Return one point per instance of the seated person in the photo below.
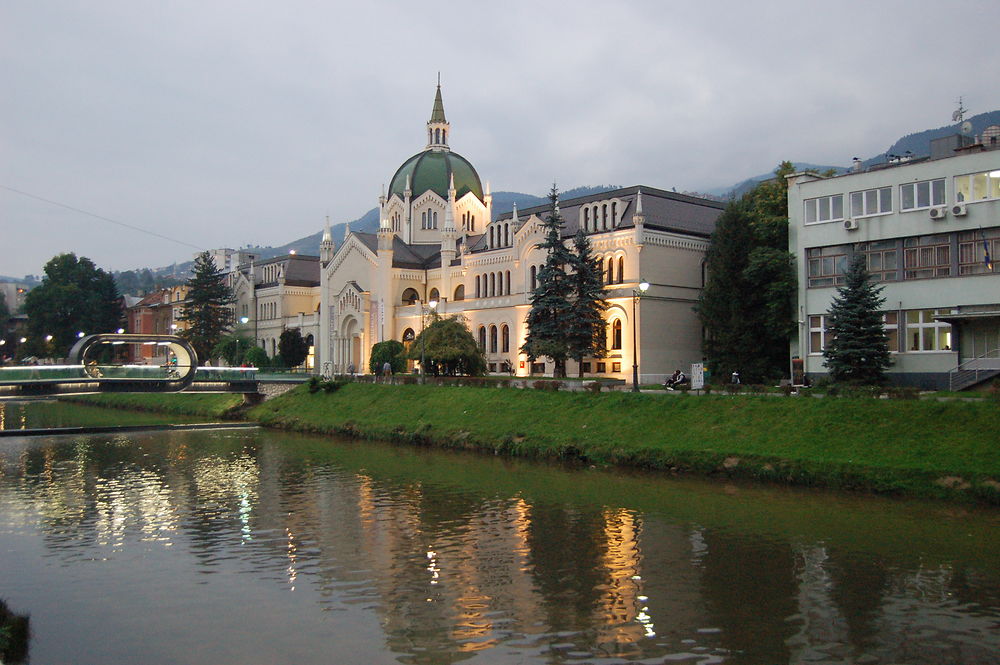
(675, 380)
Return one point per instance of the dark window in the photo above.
(616, 335)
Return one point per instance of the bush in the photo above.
(256, 357)
(390, 351)
(733, 388)
(593, 386)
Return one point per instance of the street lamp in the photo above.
(636, 294)
(431, 306)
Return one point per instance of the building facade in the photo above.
(275, 295)
(440, 242)
(930, 230)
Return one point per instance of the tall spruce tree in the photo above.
(747, 304)
(585, 332)
(551, 309)
(206, 311)
(858, 349)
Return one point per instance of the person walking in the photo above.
(387, 371)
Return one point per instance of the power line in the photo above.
(101, 217)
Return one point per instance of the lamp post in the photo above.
(239, 340)
(431, 306)
(636, 294)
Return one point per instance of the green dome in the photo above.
(432, 170)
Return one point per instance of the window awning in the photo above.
(968, 317)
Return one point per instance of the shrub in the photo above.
(787, 390)
(313, 384)
(256, 357)
(733, 388)
(593, 386)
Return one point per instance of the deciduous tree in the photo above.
(292, 347)
(75, 296)
(449, 348)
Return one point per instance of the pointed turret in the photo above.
(326, 245)
(437, 126)
(638, 218)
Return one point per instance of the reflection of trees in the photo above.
(750, 588)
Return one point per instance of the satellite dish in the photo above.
(966, 127)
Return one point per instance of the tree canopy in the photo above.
(75, 296)
(206, 311)
(747, 304)
(293, 347)
(551, 308)
(391, 351)
(448, 348)
(858, 349)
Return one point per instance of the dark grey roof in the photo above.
(418, 257)
(668, 211)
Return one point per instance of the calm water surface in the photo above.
(252, 547)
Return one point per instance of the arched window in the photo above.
(435, 295)
(437, 135)
(506, 282)
(604, 217)
(621, 269)
(616, 335)
(491, 237)
(479, 291)
(493, 339)
(410, 296)
(482, 338)
(459, 292)
(504, 338)
(611, 270)
(586, 220)
(506, 235)
(423, 219)
(493, 283)
(534, 278)
(614, 214)
(408, 337)
(435, 220)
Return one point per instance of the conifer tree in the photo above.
(858, 349)
(551, 309)
(206, 311)
(585, 332)
(747, 305)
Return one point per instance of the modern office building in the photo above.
(929, 228)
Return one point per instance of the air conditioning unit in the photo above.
(939, 212)
(850, 225)
(959, 210)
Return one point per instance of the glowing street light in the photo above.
(81, 334)
(636, 294)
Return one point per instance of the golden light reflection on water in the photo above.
(452, 571)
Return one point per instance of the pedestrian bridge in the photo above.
(114, 363)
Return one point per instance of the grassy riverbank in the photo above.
(920, 448)
(216, 406)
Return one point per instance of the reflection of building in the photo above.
(438, 240)
(278, 294)
(929, 229)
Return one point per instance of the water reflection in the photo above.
(459, 558)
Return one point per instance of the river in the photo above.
(253, 546)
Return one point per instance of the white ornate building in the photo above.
(438, 241)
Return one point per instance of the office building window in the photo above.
(927, 256)
(923, 194)
(882, 259)
(977, 187)
(827, 265)
(824, 209)
(871, 202)
(923, 333)
(977, 251)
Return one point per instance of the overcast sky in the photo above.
(220, 123)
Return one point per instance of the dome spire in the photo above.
(437, 126)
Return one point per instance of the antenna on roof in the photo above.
(960, 112)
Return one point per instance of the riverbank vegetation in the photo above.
(218, 406)
(14, 635)
(911, 447)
